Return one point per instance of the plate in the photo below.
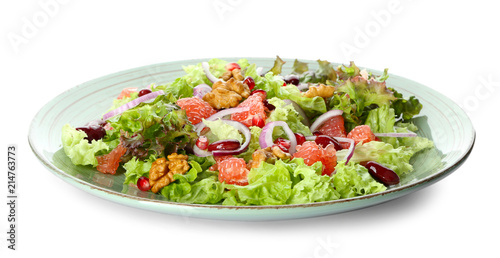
(440, 120)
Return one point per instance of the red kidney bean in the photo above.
(382, 174)
(229, 144)
(324, 140)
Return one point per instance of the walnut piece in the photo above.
(233, 85)
(222, 98)
(162, 170)
(262, 155)
(158, 175)
(178, 163)
(324, 91)
(235, 73)
(279, 153)
(269, 155)
(227, 94)
(226, 75)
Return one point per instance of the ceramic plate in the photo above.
(440, 120)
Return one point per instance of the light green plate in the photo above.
(441, 120)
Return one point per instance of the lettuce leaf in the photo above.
(270, 83)
(277, 67)
(405, 109)
(195, 75)
(357, 97)
(287, 113)
(325, 73)
(382, 120)
(253, 145)
(157, 128)
(351, 180)
(251, 70)
(78, 149)
(290, 182)
(183, 86)
(179, 88)
(204, 162)
(397, 159)
(221, 131)
(347, 72)
(415, 144)
(383, 77)
(187, 189)
(311, 106)
(268, 185)
(134, 169)
(365, 93)
(309, 185)
(299, 67)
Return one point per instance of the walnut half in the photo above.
(235, 73)
(324, 91)
(162, 170)
(227, 94)
(260, 155)
(269, 155)
(158, 175)
(178, 163)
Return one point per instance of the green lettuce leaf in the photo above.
(288, 114)
(383, 77)
(277, 67)
(353, 180)
(325, 73)
(204, 162)
(180, 88)
(195, 75)
(290, 182)
(187, 189)
(357, 97)
(381, 120)
(78, 149)
(415, 144)
(269, 83)
(366, 93)
(221, 131)
(312, 106)
(251, 70)
(405, 109)
(309, 185)
(347, 72)
(253, 145)
(397, 159)
(157, 128)
(183, 86)
(268, 185)
(299, 67)
(243, 62)
(134, 169)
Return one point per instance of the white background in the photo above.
(451, 47)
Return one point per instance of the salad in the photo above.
(236, 134)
